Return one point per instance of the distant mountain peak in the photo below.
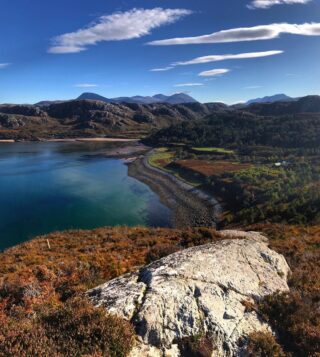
(271, 99)
(160, 96)
(177, 98)
(93, 96)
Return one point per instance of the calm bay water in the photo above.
(45, 187)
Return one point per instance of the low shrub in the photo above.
(196, 346)
(156, 253)
(295, 315)
(263, 344)
(73, 329)
(296, 321)
(77, 328)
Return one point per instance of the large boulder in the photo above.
(199, 290)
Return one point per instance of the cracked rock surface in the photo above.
(198, 290)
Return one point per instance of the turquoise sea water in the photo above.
(45, 187)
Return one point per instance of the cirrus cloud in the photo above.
(216, 58)
(4, 65)
(265, 4)
(214, 72)
(189, 85)
(86, 85)
(119, 26)
(164, 69)
(261, 32)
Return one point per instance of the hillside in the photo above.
(42, 312)
(260, 168)
(256, 123)
(237, 128)
(87, 118)
(309, 104)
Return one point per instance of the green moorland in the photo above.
(272, 175)
(160, 158)
(212, 150)
(259, 184)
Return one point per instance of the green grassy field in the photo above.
(160, 158)
(212, 150)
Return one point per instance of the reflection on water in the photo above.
(46, 187)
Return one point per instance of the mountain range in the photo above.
(97, 118)
(177, 98)
(271, 99)
(93, 118)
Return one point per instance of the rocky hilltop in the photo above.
(97, 118)
(45, 311)
(201, 290)
(88, 118)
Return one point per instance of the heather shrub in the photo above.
(77, 328)
(196, 346)
(26, 341)
(296, 320)
(73, 329)
(32, 275)
(263, 344)
(157, 252)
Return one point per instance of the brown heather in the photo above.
(43, 311)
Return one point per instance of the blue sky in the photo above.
(57, 50)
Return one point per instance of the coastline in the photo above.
(70, 140)
(191, 207)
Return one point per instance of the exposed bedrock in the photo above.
(195, 291)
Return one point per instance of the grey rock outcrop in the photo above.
(198, 290)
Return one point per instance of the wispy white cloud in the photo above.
(261, 32)
(161, 69)
(4, 65)
(214, 72)
(265, 4)
(216, 58)
(189, 85)
(86, 85)
(116, 27)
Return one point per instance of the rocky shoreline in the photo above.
(72, 140)
(190, 206)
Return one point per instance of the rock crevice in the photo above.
(198, 290)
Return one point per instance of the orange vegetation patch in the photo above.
(41, 280)
(56, 267)
(296, 315)
(210, 168)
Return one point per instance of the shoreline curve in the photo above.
(190, 206)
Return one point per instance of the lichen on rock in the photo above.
(199, 290)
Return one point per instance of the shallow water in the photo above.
(45, 187)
